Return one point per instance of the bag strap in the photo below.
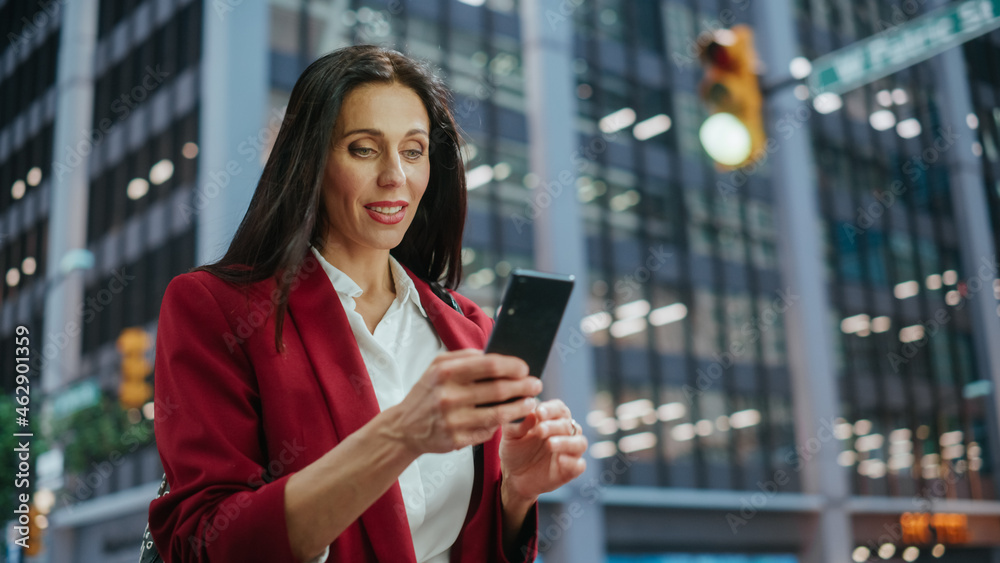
(443, 294)
(148, 553)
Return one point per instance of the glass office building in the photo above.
(893, 266)
(675, 271)
(27, 117)
(102, 181)
(917, 403)
(983, 59)
(698, 451)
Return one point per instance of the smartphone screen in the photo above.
(529, 316)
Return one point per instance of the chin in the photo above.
(388, 244)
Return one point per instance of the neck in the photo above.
(369, 268)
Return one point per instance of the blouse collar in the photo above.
(345, 286)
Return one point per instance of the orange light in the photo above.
(924, 529)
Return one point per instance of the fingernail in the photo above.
(541, 411)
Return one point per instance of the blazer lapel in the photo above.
(333, 351)
(457, 332)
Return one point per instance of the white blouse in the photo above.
(436, 487)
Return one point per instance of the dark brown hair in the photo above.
(285, 215)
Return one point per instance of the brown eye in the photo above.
(413, 154)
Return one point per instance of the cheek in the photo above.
(421, 179)
(340, 190)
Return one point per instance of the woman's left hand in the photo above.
(542, 452)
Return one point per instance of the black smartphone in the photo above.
(529, 316)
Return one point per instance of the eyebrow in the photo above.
(378, 132)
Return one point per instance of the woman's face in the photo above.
(378, 167)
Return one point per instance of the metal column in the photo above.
(70, 194)
(547, 42)
(972, 223)
(233, 130)
(800, 249)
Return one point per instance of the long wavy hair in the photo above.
(286, 213)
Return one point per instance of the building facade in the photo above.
(789, 362)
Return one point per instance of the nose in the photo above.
(391, 175)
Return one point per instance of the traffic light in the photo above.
(34, 532)
(134, 391)
(733, 135)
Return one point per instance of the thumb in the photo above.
(518, 430)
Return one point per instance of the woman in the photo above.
(319, 423)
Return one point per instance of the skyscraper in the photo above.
(707, 432)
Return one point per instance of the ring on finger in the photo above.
(576, 427)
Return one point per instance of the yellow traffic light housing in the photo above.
(35, 538)
(733, 135)
(134, 391)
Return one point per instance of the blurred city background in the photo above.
(784, 357)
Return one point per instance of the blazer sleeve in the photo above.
(526, 549)
(219, 508)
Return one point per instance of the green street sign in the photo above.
(904, 45)
(75, 398)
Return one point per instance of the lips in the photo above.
(387, 212)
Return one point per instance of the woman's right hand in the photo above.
(440, 413)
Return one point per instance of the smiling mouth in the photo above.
(387, 214)
(385, 210)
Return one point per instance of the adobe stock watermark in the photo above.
(430, 483)
(218, 180)
(543, 195)
(727, 17)
(87, 312)
(372, 26)
(900, 14)
(47, 13)
(785, 127)
(134, 437)
(752, 504)
(122, 106)
(752, 331)
(923, 502)
(625, 289)
(591, 491)
(487, 85)
(231, 508)
(260, 310)
(562, 13)
(914, 168)
(983, 279)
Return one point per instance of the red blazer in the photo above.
(234, 419)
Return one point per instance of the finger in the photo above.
(508, 412)
(571, 467)
(470, 368)
(500, 390)
(518, 430)
(502, 365)
(459, 366)
(553, 409)
(454, 354)
(557, 427)
(493, 417)
(569, 445)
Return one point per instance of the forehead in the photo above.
(387, 107)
